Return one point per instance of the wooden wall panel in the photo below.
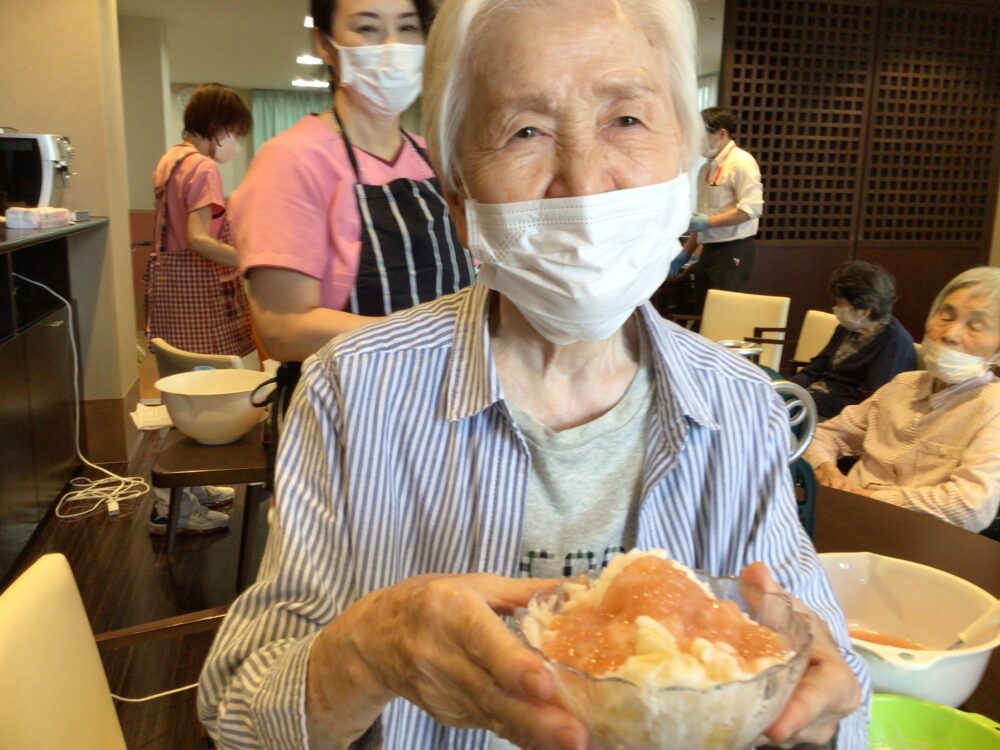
(935, 107)
(796, 75)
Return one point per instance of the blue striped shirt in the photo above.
(400, 457)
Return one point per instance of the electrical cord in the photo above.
(109, 491)
(155, 695)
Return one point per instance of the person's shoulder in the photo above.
(898, 330)
(742, 156)
(704, 359)
(909, 380)
(417, 330)
(300, 142)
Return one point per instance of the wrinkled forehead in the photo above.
(537, 54)
(975, 300)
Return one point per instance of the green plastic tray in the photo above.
(901, 723)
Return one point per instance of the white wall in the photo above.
(62, 76)
(145, 90)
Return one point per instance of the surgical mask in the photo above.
(577, 268)
(951, 365)
(843, 317)
(226, 148)
(387, 78)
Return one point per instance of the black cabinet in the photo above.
(18, 498)
(37, 439)
(37, 419)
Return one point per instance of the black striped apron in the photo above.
(409, 250)
(409, 254)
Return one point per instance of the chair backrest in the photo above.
(54, 693)
(170, 360)
(817, 328)
(734, 315)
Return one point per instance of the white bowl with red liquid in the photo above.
(621, 715)
(917, 612)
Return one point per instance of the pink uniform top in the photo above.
(196, 183)
(296, 208)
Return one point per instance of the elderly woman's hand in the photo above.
(828, 691)
(437, 641)
(829, 475)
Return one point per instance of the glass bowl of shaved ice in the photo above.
(654, 655)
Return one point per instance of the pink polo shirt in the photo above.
(296, 208)
(196, 183)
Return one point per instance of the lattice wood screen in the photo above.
(933, 132)
(873, 121)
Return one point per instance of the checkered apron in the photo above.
(191, 302)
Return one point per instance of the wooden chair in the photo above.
(817, 328)
(54, 693)
(746, 317)
(170, 360)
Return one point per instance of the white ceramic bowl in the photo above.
(212, 406)
(920, 604)
(620, 715)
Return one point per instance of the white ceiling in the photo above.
(253, 43)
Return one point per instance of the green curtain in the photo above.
(274, 111)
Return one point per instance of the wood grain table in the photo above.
(183, 462)
(852, 523)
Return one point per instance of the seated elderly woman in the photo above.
(930, 440)
(437, 465)
(867, 349)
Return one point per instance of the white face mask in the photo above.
(577, 267)
(386, 78)
(844, 318)
(951, 365)
(226, 148)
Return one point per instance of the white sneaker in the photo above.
(195, 518)
(213, 498)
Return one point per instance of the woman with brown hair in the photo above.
(194, 297)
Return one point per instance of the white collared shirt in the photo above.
(730, 180)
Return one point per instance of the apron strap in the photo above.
(162, 190)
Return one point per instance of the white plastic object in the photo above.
(921, 604)
(212, 406)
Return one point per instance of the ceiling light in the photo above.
(308, 60)
(310, 83)
(308, 22)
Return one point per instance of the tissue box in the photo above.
(37, 218)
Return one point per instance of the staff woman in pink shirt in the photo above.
(340, 219)
(194, 297)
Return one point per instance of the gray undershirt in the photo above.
(584, 487)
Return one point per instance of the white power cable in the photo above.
(109, 491)
(165, 693)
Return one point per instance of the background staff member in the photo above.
(730, 201)
(340, 219)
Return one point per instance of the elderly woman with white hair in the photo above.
(930, 440)
(440, 466)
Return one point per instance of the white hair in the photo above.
(451, 46)
(981, 281)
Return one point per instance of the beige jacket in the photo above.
(938, 453)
